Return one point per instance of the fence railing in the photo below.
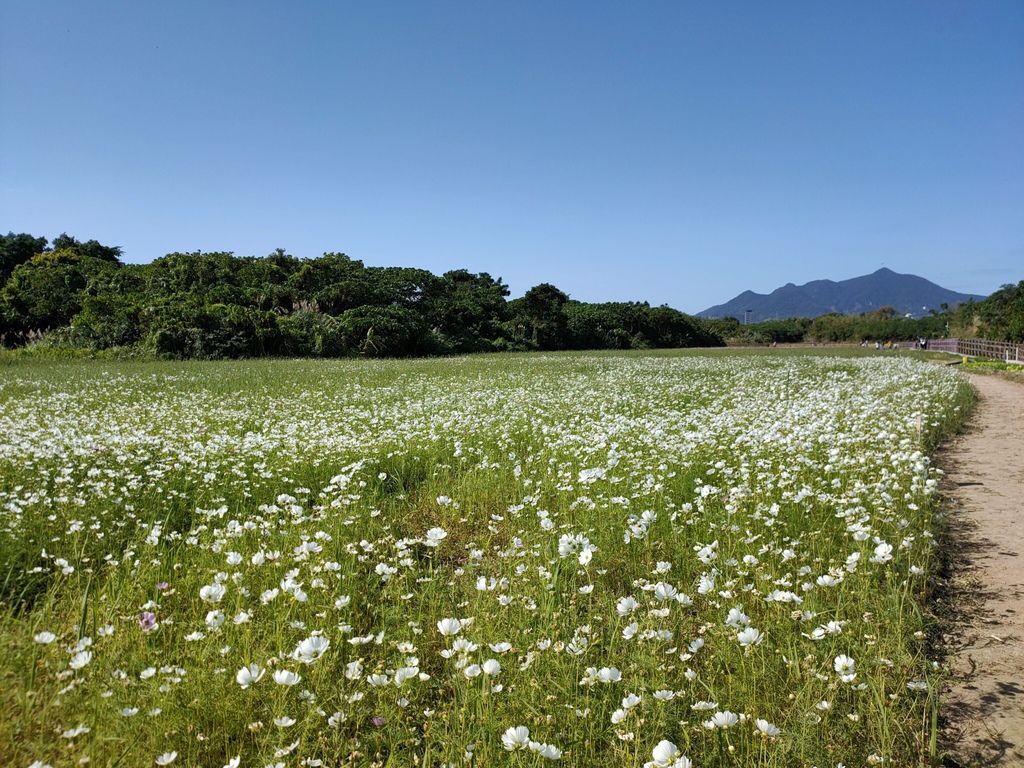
(994, 350)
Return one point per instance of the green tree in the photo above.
(544, 306)
(17, 249)
(46, 291)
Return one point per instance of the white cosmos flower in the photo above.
(883, 553)
(435, 536)
(547, 751)
(45, 638)
(249, 675)
(767, 728)
(311, 649)
(286, 677)
(167, 758)
(723, 719)
(664, 591)
(284, 721)
(354, 670)
(749, 637)
(626, 606)
(516, 737)
(449, 627)
(212, 593)
(80, 659)
(845, 667)
(609, 675)
(473, 670)
(666, 755)
(737, 618)
(492, 667)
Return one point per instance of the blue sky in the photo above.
(669, 152)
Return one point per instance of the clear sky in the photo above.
(671, 152)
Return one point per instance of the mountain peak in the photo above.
(908, 294)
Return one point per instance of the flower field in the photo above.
(579, 560)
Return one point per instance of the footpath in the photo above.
(984, 703)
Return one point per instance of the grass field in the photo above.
(591, 560)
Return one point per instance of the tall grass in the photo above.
(171, 524)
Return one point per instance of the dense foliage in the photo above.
(1000, 316)
(218, 305)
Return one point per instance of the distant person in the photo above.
(878, 345)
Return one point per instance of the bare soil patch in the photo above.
(984, 703)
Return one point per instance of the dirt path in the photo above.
(985, 473)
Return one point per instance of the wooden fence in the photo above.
(993, 350)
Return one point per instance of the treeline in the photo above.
(217, 305)
(884, 324)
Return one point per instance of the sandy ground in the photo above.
(984, 706)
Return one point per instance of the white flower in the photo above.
(212, 593)
(435, 536)
(883, 553)
(547, 751)
(516, 737)
(449, 627)
(286, 677)
(249, 675)
(609, 675)
(311, 649)
(724, 719)
(492, 667)
(845, 667)
(80, 659)
(626, 606)
(284, 721)
(45, 638)
(167, 758)
(666, 755)
(749, 637)
(767, 728)
(354, 670)
(664, 591)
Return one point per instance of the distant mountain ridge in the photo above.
(908, 294)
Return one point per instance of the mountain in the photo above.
(909, 294)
